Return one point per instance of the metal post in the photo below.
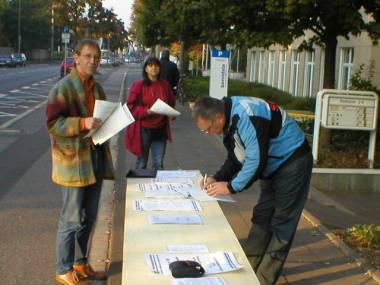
(19, 26)
(64, 65)
(52, 32)
(317, 125)
(371, 148)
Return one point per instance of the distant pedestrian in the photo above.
(262, 142)
(150, 131)
(169, 70)
(78, 165)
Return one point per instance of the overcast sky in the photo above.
(122, 8)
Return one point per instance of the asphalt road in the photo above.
(29, 201)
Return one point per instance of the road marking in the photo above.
(25, 87)
(10, 131)
(22, 115)
(4, 114)
(29, 93)
(35, 84)
(14, 91)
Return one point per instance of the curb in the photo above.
(368, 268)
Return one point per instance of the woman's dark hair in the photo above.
(150, 61)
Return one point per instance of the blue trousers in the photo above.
(78, 214)
(154, 142)
(275, 218)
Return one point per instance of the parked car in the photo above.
(69, 65)
(20, 59)
(7, 60)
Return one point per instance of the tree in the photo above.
(35, 23)
(281, 21)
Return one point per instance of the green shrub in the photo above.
(196, 87)
(367, 235)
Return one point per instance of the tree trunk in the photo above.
(184, 63)
(328, 83)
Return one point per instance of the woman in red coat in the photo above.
(150, 131)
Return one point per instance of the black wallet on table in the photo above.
(186, 269)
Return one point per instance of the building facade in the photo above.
(301, 72)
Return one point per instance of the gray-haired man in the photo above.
(262, 142)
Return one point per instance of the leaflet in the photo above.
(115, 117)
(199, 281)
(164, 189)
(199, 194)
(160, 107)
(165, 219)
(186, 248)
(167, 205)
(212, 263)
(176, 173)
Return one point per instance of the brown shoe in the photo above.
(70, 278)
(86, 271)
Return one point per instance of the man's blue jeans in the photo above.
(275, 218)
(154, 143)
(78, 214)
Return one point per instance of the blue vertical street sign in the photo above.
(219, 73)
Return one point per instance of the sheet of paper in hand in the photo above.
(160, 107)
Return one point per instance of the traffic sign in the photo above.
(65, 38)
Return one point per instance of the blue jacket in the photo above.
(259, 137)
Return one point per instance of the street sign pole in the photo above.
(65, 40)
(64, 65)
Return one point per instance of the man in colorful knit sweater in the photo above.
(78, 166)
(264, 143)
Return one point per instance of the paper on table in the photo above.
(164, 189)
(167, 205)
(176, 174)
(186, 248)
(118, 120)
(212, 263)
(186, 220)
(196, 192)
(160, 107)
(173, 180)
(199, 281)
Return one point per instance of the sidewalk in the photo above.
(315, 257)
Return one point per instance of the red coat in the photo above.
(140, 99)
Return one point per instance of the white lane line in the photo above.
(31, 94)
(14, 91)
(25, 87)
(10, 131)
(3, 114)
(35, 84)
(32, 109)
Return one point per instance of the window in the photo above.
(271, 59)
(345, 67)
(281, 70)
(261, 66)
(252, 74)
(294, 72)
(309, 73)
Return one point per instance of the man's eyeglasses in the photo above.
(208, 129)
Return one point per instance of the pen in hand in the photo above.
(204, 181)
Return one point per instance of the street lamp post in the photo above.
(19, 26)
